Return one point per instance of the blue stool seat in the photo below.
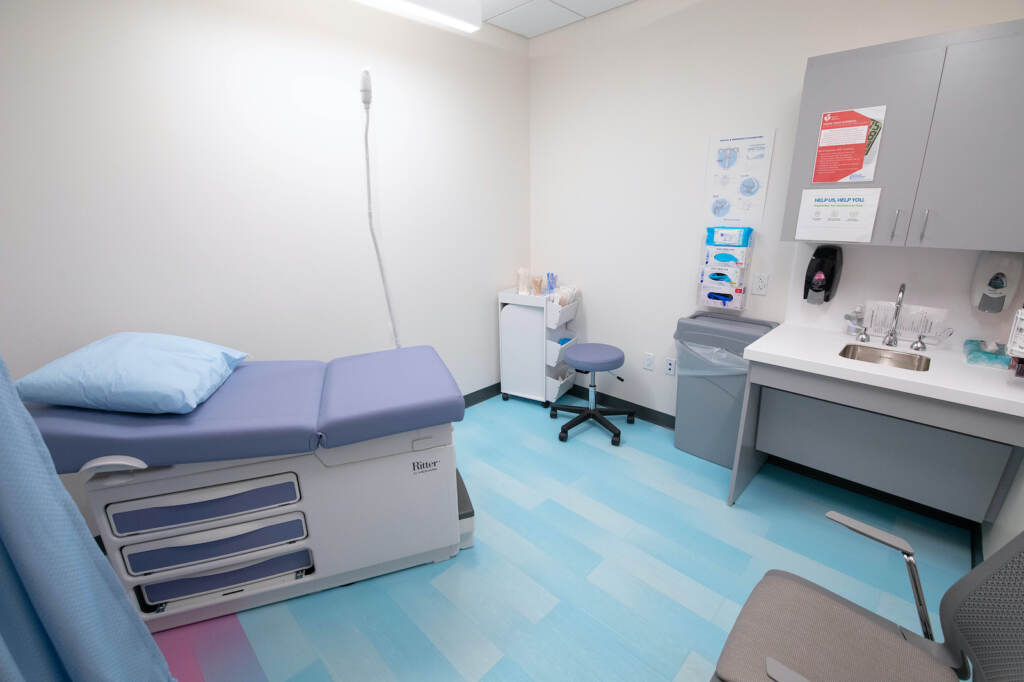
(594, 357)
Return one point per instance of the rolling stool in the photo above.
(591, 358)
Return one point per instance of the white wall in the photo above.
(621, 109)
(195, 167)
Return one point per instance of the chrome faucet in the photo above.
(891, 339)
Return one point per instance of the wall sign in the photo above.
(837, 215)
(848, 143)
(737, 178)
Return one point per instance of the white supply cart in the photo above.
(532, 359)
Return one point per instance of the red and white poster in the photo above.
(848, 144)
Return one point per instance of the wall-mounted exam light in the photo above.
(462, 15)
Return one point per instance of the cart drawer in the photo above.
(555, 351)
(556, 388)
(181, 588)
(219, 543)
(559, 315)
(202, 504)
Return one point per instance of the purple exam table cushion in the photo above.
(266, 409)
(378, 394)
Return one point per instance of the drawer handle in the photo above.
(895, 222)
(113, 463)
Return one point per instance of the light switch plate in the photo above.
(649, 362)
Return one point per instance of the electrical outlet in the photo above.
(760, 284)
(670, 366)
(649, 362)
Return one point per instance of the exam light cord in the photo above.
(369, 217)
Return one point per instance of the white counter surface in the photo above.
(950, 378)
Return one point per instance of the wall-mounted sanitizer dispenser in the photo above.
(822, 278)
(995, 280)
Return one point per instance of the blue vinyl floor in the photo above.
(595, 562)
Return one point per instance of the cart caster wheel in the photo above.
(615, 440)
(563, 436)
(630, 419)
(554, 413)
(545, 404)
(504, 396)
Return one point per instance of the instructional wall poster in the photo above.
(838, 215)
(737, 178)
(848, 143)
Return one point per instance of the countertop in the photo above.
(950, 378)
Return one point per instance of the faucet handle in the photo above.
(919, 345)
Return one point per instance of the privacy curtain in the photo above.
(63, 614)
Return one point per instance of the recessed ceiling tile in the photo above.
(492, 8)
(535, 17)
(589, 8)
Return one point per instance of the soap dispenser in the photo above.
(995, 280)
(822, 278)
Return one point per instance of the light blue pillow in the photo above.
(134, 372)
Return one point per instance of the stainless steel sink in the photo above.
(887, 357)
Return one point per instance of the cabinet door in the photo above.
(969, 195)
(521, 359)
(905, 81)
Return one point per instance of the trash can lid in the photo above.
(717, 329)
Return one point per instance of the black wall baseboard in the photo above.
(667, 421)
(481, 395)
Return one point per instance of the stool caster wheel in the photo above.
(554, 413)
(545, 404)
(504, 396)
(563, 436)
(630, 419)
(615, 440)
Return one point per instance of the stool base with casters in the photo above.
(591, 358)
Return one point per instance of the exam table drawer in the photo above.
(202, 504)
(218, 543)
(243, 574)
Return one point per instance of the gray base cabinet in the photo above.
(942, 469)
(957, 459)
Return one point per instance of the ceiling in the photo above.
(530, 18)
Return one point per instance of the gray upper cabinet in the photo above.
(906, 83)
(951, 148)
(969, 195)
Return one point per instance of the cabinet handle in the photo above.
(924, 227)
(895, 222)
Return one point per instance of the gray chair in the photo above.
(792, 630)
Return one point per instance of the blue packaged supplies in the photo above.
(729, 236)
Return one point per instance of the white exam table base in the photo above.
(369, 508)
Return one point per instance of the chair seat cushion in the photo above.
(594, 357)
(821, 636)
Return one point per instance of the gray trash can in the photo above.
(711, 376)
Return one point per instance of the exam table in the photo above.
(294, 477)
